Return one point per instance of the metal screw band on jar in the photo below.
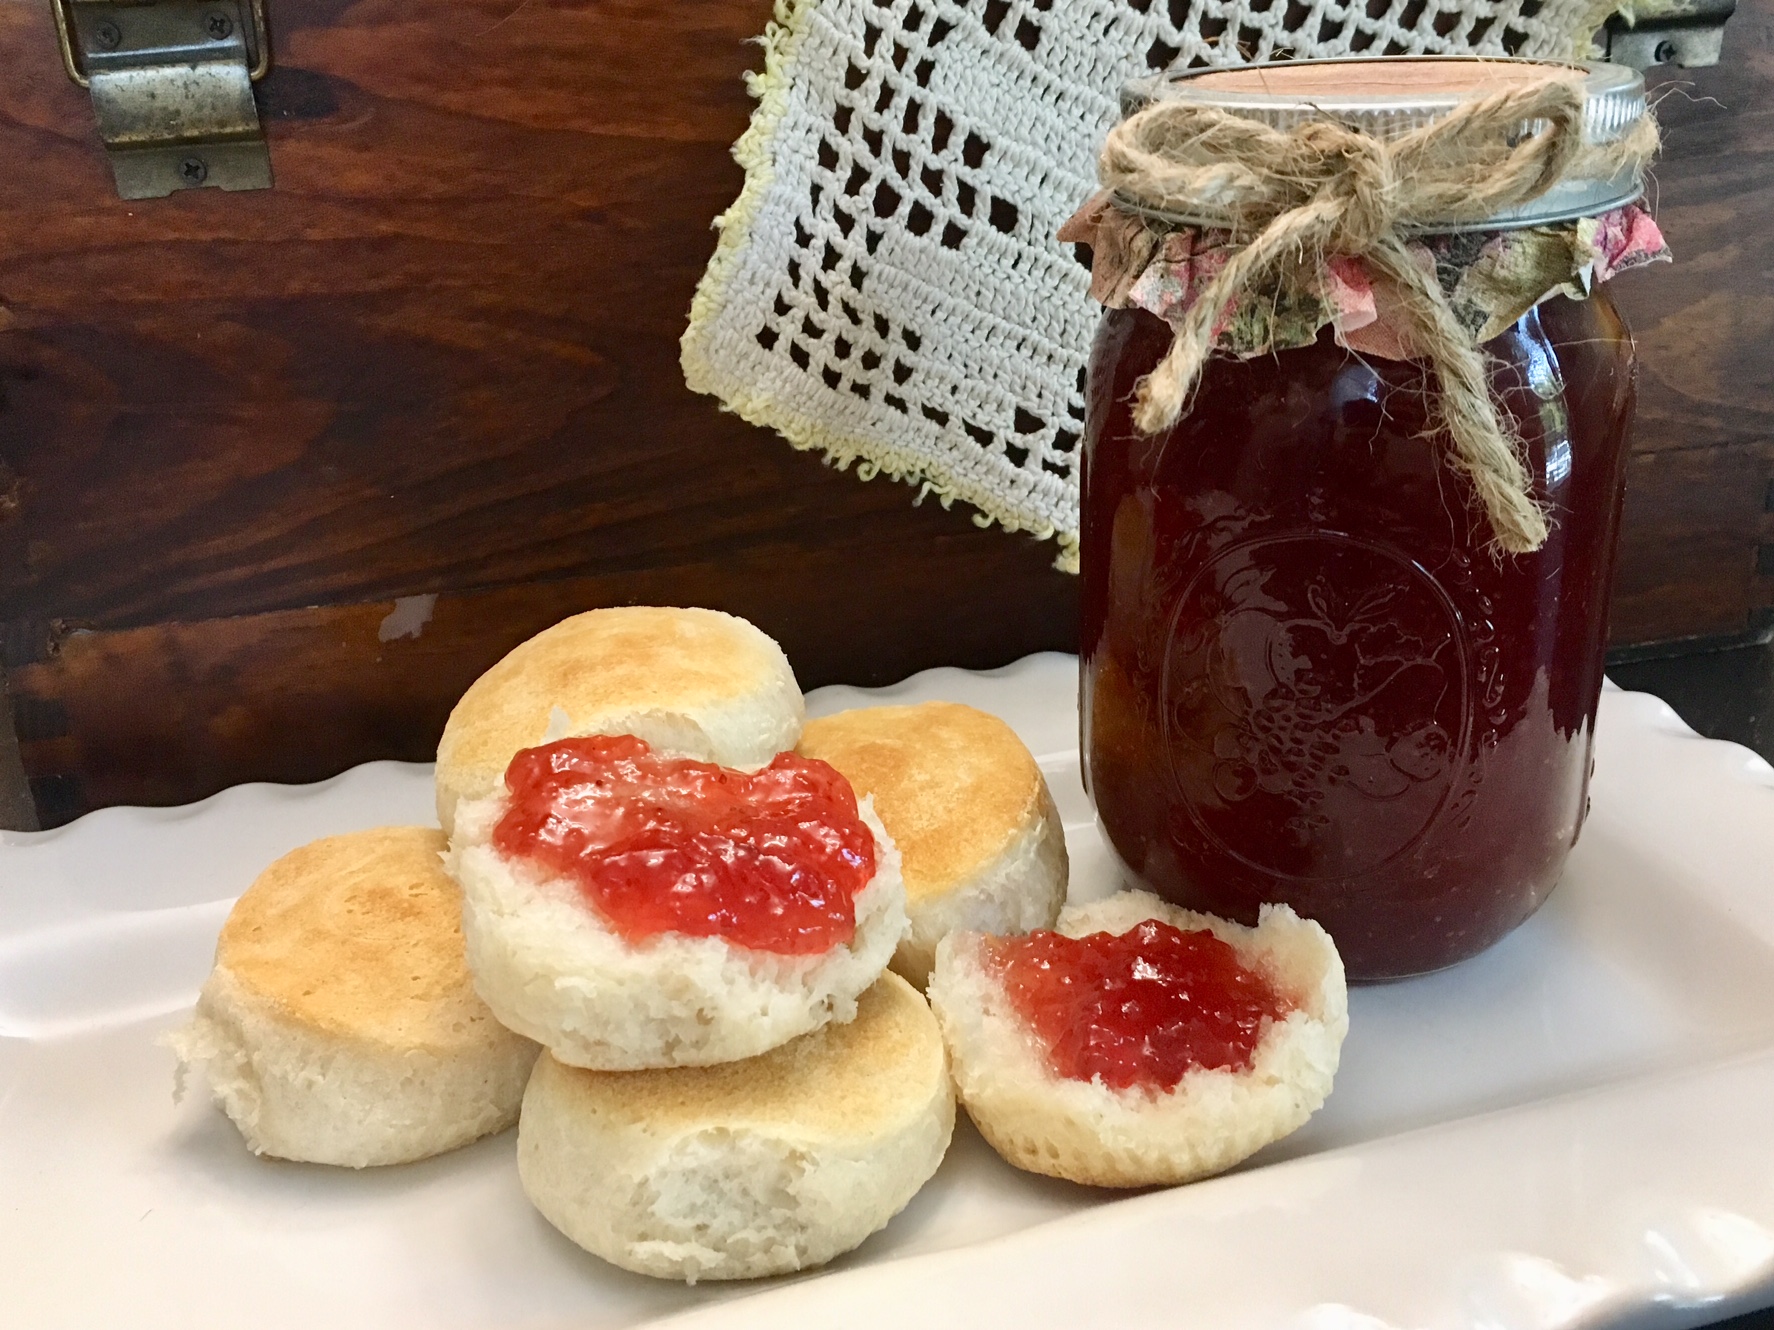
(1491, 138)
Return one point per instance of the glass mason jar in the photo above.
(1306, 675)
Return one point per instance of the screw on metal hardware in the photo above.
(108, 35)
(1664, 53)
(194, 170)
(218, 25)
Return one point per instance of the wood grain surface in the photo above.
(146, 715)
(440, 358)
(441, 354)
(1699, 504)
(1701, 575)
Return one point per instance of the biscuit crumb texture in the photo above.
(981, 844)
(1020, 890)
(1088, 1133)
(751, 1168)
(550, 968)
(340, 1024)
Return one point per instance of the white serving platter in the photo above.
(1575, 1129)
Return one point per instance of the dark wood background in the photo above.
(1697, 550)
(239, 432)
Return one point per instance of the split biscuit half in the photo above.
(1092, 1133)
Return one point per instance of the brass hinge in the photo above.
(1689, 33)
(171, 81)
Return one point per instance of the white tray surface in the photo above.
(1576, 1128)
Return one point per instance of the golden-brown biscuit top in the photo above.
(841, 1080)
(360, 936)
(951, 784)
(627, 659)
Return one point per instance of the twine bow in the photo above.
(1292, 197)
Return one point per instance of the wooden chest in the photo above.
(282, 471)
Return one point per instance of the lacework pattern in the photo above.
(888, 288)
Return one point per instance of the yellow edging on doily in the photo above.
(782, 40)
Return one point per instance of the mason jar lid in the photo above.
(1389, 96)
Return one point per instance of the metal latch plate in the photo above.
(1689, 33)
(171, 82)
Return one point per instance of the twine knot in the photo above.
(1291, 198)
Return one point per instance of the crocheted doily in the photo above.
(888, 288)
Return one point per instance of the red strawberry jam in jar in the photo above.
(771, 860)
(1336, 652)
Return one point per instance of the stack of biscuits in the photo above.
(689, 1107)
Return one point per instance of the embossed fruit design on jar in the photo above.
(1336, 652)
